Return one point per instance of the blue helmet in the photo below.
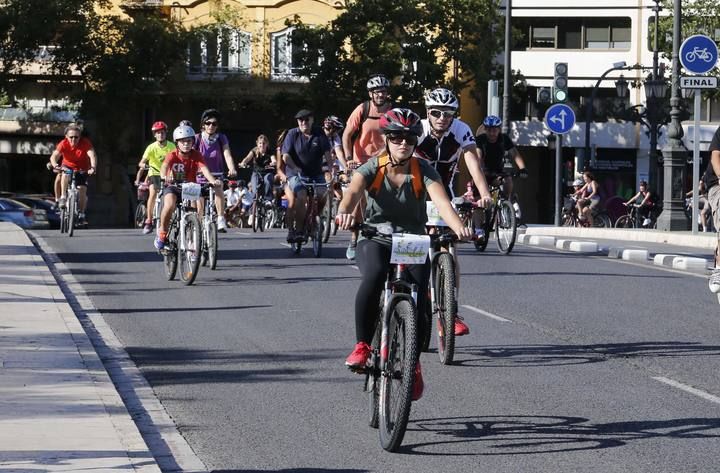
(492, 121)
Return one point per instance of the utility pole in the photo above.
(507, 85)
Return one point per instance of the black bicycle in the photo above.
(498, 218)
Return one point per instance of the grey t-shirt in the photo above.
(398, 206)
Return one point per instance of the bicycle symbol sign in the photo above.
(698, 54)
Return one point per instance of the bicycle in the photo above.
(701, 54)
(330, 208)
(499, 218)
(570, 217)
(313, 221)
(184, 237)
(209, 228)
(69, 213)
(390, 372)
(141, 209)
(631, 219)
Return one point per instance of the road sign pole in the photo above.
(696, 162)
(558, 159)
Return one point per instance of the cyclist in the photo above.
(362, 137)
(444, 140)
(589, 199)
(77, 154)
(493, 146)
(262, 160)
(181, 165)
(333, 126)
(306, 149)
(711, 181)
(153, 157)
(232, 204)
(645, 198)
(214, 146)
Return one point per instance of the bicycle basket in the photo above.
(143, 192)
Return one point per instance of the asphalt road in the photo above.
(598, 365)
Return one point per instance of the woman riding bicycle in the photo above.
(399, 201)
(588, 198)
(645, 199)
(263, 161)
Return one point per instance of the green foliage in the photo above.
(415, 43)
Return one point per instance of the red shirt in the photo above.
(75, 158)
(184, 169)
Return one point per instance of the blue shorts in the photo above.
(297, 183)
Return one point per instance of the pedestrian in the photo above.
(711, 181)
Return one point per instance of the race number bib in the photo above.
(191, 191)
(409, 249)
(433, 215)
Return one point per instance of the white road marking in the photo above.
(355, 266)
(689, 389)
(486, 314)
(286, 244)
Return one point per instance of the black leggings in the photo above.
(373, 259)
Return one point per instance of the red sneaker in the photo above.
(460, 327)
(418, 385)
(359, 356)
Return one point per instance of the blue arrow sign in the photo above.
(698, 54)
(560, 118)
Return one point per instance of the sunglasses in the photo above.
(73, 137)
(442, 113)
(211, 123)
(397, 139)
(304, 119)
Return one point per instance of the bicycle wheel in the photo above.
(447, 307)
(327, 217)
(481, 243)
(396, 382)
(72, 213)
(255, 212)
(212, 244)
(269, 218)
(601, 220)
(190, 248)
(332, 217)
(505, 227)
(171, 253)
(372, 377)
(63, 220)
(626, 221)
(140, 214)
(317, 236)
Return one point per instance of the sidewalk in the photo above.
(59, 410)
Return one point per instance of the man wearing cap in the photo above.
(306, 149)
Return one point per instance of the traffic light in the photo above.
(543, 95)
(560, 83)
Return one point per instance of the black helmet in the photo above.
(209, 113)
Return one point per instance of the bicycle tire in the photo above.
(140, 214)
(63, 220)
(568, 221)
(189, 255)
(269, 218)
(332, 217)
(505, 227)
(447, 307)
(171, 253)
(317, 236)
(601, 220)
(255, 217)
(296, 247)
(261, 218)
(72, 214)
(327, 216)
(372, 377)
(625, 221)
(212, 245)
(398, 376)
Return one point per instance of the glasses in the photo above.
(442, 113)
(397, 139)
(211, 123)
(304, 119)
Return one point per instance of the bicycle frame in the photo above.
(396, 280)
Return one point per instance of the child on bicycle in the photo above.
(645, 199)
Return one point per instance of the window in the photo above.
(285, 56)
(572, 33)
(226, 51)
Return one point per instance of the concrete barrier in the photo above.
(522, 238)
(562, 244)
(541, 240)
(689, 263)
(615, 252)
(583, 246)
(664, 260)
(635, 255)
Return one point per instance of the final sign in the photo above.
(698, 82)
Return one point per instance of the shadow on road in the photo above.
(180, 309)
(530, 435)
(297, 470)
(557, 355)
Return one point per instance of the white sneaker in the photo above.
(222, 224)
(647, 222)
(714, 281)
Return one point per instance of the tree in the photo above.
(418, 44)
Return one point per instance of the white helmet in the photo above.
(578, 182)
(441, 97)
(377, 81)
(183, 131)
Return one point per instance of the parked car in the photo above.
(53, 213)
(16, 212)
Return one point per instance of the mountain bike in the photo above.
(313, 221)
(499, 218)
(570, 217)
(390, 373)
(631, 219)
(209, 228)
(184, 237)
(69, 213)
(330, 208)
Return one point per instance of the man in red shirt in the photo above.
(77, 154)
(180, 165)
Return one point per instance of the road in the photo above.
(573, 363)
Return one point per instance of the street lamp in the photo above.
(621, 86)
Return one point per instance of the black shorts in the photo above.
(80, 177)
(156, 182)
(174, 190)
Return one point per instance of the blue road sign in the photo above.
(698, 54)
(560, 118)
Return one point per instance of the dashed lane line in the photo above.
(486, 314)
(689, 389)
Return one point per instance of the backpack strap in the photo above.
(383, 162)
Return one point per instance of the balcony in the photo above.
(140, 4)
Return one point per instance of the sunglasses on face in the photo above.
(212, 123)
(442, 113)
(303, 119)
(397, 139)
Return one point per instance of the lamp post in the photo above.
(507, 85)
(654, 91)
(674, 153)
